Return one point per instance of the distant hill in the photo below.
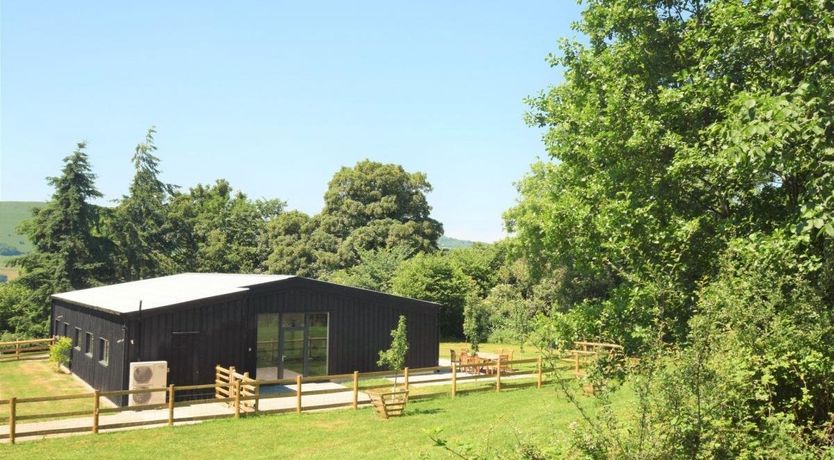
(11, 214)
(452, 243)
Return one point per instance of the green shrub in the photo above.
(755, 380)
(60, 352)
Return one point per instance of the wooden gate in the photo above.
(226, 384)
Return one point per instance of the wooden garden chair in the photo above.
(505, 368)
(471, 364)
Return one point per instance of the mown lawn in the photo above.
(494, 422)
(35, 377)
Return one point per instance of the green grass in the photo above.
(495, 423)
(35, 377)
(11, 214)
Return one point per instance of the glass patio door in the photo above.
(317, 335)
(291, 344)
(268, 353)
(293, 332)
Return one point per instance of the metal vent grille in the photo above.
(141, 398)
(142, 374)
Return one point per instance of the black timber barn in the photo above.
(273, 326)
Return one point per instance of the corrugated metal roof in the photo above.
(165, 291)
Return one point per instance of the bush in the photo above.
(60, 352)
(434, 278)
(755, 380)
(23, 311)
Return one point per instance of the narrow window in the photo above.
(66, 330)
(103, 351)
(88, 344)
(57, 327)
(77, 340)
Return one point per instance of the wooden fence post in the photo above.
(257, 395)
(576, 363)
(245, 380)
(539, 372)
(498, 374)
(298, 394)
(231, 380)
(355, 389)
(237, 398)
(217, 382)
(17, 351)
(171, 405)
(405, 378)
(12, 413)
(95, 411)
(454, 379)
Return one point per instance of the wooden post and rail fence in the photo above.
(22, 347)
(244, 394)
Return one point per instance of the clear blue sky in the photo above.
(276, 96)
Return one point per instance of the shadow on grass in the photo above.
(431, 411)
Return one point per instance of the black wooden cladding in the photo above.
(195, 337)
(105, 377)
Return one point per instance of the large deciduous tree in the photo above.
(369, 208)
(375, 269)
(219, 230)
(299, 246)
(376, 205)
(679, 126)
(435, 278)
(689, 210)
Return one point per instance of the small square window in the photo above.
(77, 340)
(88, 344)
(103, 351)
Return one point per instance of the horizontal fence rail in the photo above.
(238, 394)
(21, 347)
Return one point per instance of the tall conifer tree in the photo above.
(140, 218)
(69, 251)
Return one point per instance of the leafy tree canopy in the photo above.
(375, 269)
(219, 230)
(371, 207)
(386, 204)
(435, 278)
(688, 212)
(680, 126)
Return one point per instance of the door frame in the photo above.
(282, 337)
(305, 340)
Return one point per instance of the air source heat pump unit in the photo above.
(148, 374)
